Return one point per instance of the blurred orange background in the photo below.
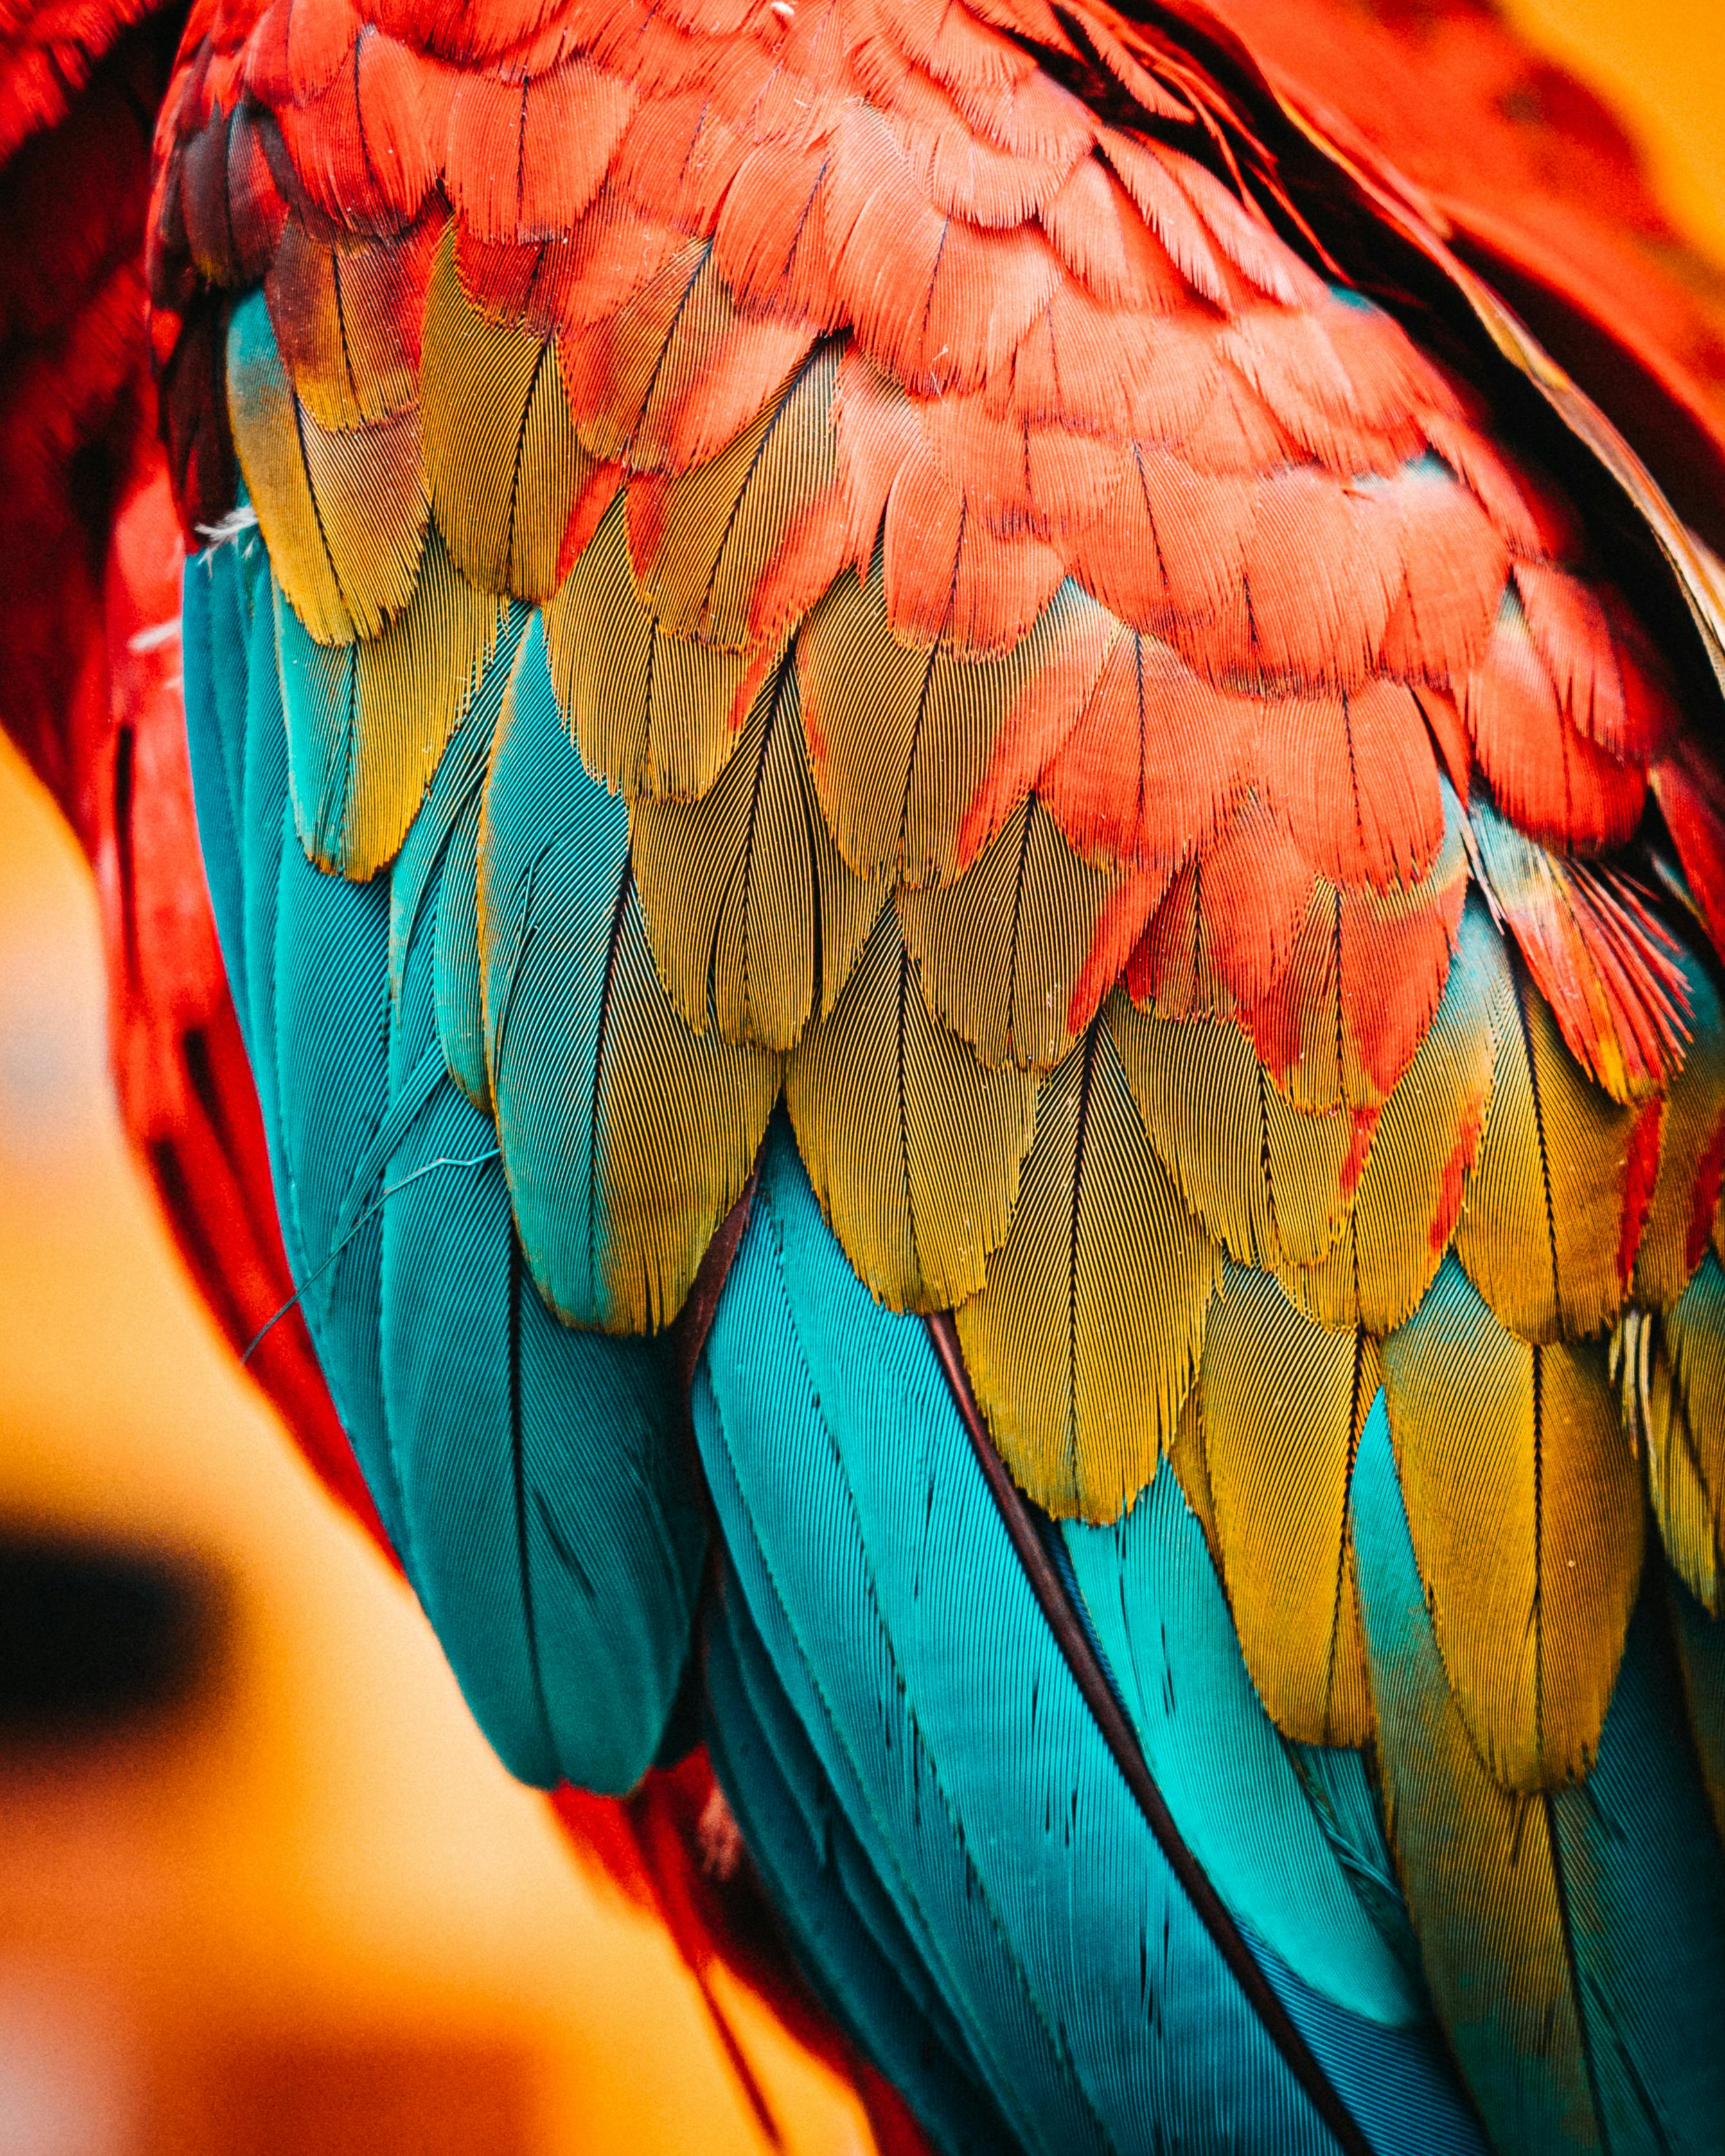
(307, 1910)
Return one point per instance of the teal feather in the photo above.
(460, 1001)
(1282, 1862)
(557, 896)
(557, 1539)
(848, 1935)
(1337, 1783)
(535, 1481)
(1162, 1624)
(215, 623)
(1098, 2009)
(1572, 1939)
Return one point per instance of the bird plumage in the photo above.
(1002, 573)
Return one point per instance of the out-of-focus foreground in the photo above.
(300, 1907)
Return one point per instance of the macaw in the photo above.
(915, 906)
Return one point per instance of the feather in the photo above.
(679, 370)
(460, 1010)
(899, 738)
(1322, 564)
(433, 879)
(525, 159)
(1225, 931)
(1691, 796)
(296, 50)
(1601, 959)
(1099, 234)
(1154, 767)
(913, 1147)
(1162, 1623)
(1700, 1652)
(1082, 1345)
(1525, 1510)
(722, 526)
(1341, 1021)
(502, 461)
(347, 320)
(1551, 781)
(1453, 562)
(875, 1975)
(1680, 1399)
(1000, 951)
(1355, 777)
(343, 514)
(653, 713)
(1552, 1927)
(626, 1137)
(367, 721)
(950, 576)
(535, 1480)
(1282, 1404)
(1573, 635)
(754, 919)
(367, 147)
(1407, 1192)
(556, 1538)
(865, 1541)
(1266, 1179)
(1541, 1229)
(1685, 1197)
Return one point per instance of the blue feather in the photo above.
(1162, 1626)
(535, 1481)
(880, 1576)
(848, 1935)
(1161, 1622)
(214, 628)
(555, 896)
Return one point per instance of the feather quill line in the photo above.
(1098, 1694)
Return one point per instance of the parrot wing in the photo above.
(980, 574)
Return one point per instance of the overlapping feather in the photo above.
(1099, 714)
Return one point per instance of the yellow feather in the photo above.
(681, 1119)
(1683, 1406)
(1186, 1456)
(1282, 1405)
(754, 919)
(1263, 1177)
(1524, 1503)
(1082, 1345)
(899, 738)
(501, 458)
(342, 514)
(368, 722)
(1001, 949)
(1691, 1127)
(652, 712)
(914, 1149)
(1542, 1222)
(1406, 1200)
(723, 523)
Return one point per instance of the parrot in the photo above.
(911, 823)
